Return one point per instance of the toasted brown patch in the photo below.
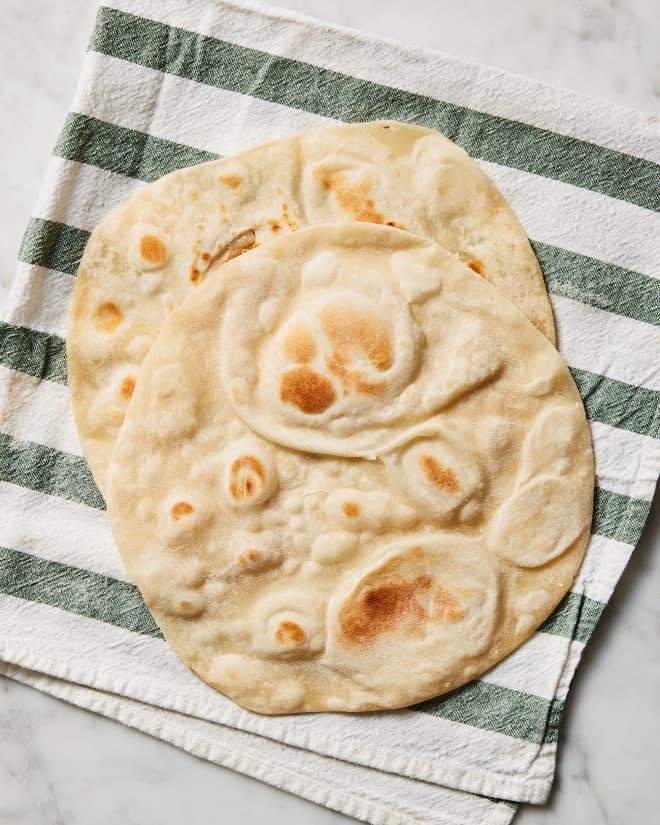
(127, 387)
(232, 181)
(185, 604)
(242, 483)
(287, 218)
(152, 249)
(250, 556)
(386, 608)
(386, 126)
(353, 379)
(477, 266)
(396, 225)
(351, 509)
(238, 245)
(289, 632)
(351, 330)
(107, 317)
(206, 256)
(307, 389)
(446, 606)
(439, 475)
(195, 274)
(274, 225)
(369, 387)
(181, 509)
(299, 345)
(352, 197)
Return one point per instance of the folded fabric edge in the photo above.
(175, 729)
(476, 781)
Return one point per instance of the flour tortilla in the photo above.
(155, 249)
(296, 581)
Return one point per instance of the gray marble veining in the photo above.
(63, 766)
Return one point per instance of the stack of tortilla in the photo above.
(317, 386)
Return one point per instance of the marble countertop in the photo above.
(62, 765)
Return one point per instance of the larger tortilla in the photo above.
(293, 580)
(152, 251)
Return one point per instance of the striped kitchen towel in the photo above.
(167, 84)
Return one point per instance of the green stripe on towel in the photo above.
(125, 151)
(33, 353)
(75, 590)
(53, 245)
(599, 284)
(617, 403)
(492, 707)
(575, 616)
(619, 517)
(48, 471)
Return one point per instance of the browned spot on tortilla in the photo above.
(185, 605)
(353, 379)
(127, 387)
(242, 483)
(299, 345)
(238, 245)
(439, 475)
(206, 256)
(180, 509)
(287, 218)
(352, 197)
(477, 266)
(369, 387)
(232, 181)
(152, 249)
(351, 509)
(392, 606)
(107, 317)
(289, 633)
(250, 556)
(307, 389)
(195, 274)
(386, 126)
(396, 225)
(351, 330)
(447, 606)
(274, 225)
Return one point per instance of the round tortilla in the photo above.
(156, 248)
(294, 580)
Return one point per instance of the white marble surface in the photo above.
(62, 765)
